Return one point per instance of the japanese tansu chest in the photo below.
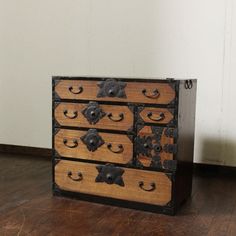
(127, 142)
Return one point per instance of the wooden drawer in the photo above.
(94, 115)
(114, 90)
(156, 115)
(114, 182)
(155, 145)
(93, 145)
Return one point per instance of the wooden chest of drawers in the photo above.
(127, 142)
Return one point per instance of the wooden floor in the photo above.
(27, 207)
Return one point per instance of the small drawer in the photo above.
(114, 182)
(94, 115)
(94, 145)
(156, 115)
(116, 90)
(156, 147)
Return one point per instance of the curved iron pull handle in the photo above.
(120, 146)
(70, 175)
(74, 145)
(155, 94)
(75, 114)
(159, 118)
(120, 118)
(80, 90)
(152, 186)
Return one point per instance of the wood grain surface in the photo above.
(104, 123)
(133, 91)
(131, 191)
(101, 154)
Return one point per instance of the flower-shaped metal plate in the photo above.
(110, 174)
(111, 88)
(92, 140)
(93, 113)
(144, 145)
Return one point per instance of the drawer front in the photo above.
(94, 115)
(93, 145)
(115, 182)
(155, 145)
(156, 115)
(113, 90)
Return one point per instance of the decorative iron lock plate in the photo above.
(93, 113)
(111, 88)
(170, 165)
(110, 174)
(92, 140)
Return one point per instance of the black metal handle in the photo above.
(120, 146)
(74, 145)
(80, 90)
(75, 114)
(152, 186)
(159, 118)
(120, 118)
(79, 178)
(155, 94)
(188, 84)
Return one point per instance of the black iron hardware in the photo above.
(78, 91)
(171, 132)
(120, 118)
(111, 88)
(152, 186)
(79, 178)
(75, 114)
(155, 94)
(92, 140)
(170, 165)
(93, 113)
(170, 148)
(144, 145)
(110, 174)
(120, 146)
(158, 118)
(157, 131)
(156, 162)
(73, 145)
(188, 84)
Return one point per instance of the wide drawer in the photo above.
(114, 90)
(94, 115)
(156, 146)
(93, 145)
(156, 115)
(114, 182)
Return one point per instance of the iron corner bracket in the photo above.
(56, 190)
(55, 95)
(169, 176)
(56, 130)
(56, 161)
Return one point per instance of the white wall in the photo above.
(136, 38)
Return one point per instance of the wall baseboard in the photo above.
(209, 170)
(25, 150)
